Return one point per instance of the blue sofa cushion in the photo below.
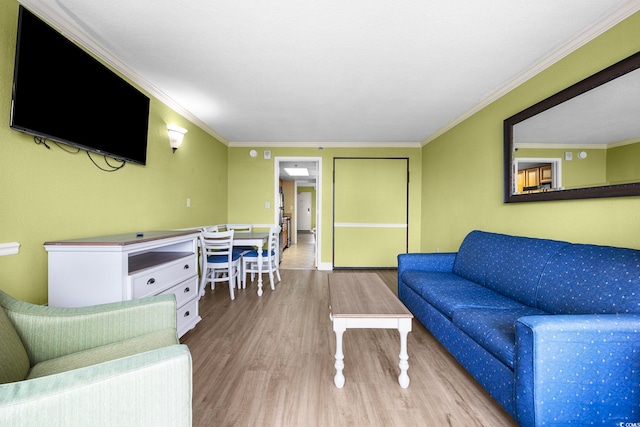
(517, 264)
(448, 292)
(473, 256)
(591, 279)
(494, 329)
(510, 265)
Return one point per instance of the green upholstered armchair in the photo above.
(117, 364)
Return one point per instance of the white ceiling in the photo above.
(333, 72)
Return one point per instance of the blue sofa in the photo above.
(550, 329)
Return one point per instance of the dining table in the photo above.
(257, 239)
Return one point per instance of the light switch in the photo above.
(267, 205)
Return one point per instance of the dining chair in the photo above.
(243, 228)
(270, 259)
(240, 227)
(220, 263)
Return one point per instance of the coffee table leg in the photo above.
(404, 329)
(339, 327)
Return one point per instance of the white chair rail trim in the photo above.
(9, 248)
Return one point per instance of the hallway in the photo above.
(300, 256)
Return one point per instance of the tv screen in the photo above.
(63, 94)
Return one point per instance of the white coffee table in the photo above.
(363, 300)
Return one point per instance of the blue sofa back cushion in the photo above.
(509, 265)
(584, 279)
(474, 255)
(517, 264)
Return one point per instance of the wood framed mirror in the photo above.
(583, 142)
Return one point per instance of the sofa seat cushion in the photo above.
(493, 329)
(449, 292)
(105, 353)
(14, 361)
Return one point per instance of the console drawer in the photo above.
(187, 314)
(184, 291)
(153, 281)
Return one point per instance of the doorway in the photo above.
(304, 249)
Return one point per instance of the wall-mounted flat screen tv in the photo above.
(61, 93)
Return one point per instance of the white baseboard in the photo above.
(325, 266)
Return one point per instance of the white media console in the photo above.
(98, 270)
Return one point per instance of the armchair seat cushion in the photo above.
(13, 357)
(105, 353)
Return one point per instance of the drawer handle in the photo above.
(151, 281)
(186, 266)
(187, 289)
(186, 314)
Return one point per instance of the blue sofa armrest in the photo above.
(441, 261)
(580, 369)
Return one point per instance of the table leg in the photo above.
(260, 271)
(404, 328)
(339, 327)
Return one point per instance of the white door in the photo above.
(304, 211)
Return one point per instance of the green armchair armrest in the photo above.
(116, 364)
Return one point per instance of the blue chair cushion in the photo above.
(221, 259)
(254, 254)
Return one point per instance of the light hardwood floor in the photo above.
(300, 256)
(269, 361)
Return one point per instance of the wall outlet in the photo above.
(188, 202)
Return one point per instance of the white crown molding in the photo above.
(72, 31)
(321, 145)
(572, 45)
(9, 248)
(547, 145)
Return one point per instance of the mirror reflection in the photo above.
(584, 138)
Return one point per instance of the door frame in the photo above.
(276, 188)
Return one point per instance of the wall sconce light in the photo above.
(176, 134)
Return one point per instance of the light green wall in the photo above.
(50, 195)
(622, 164)
(251, 184)
(462, 170)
